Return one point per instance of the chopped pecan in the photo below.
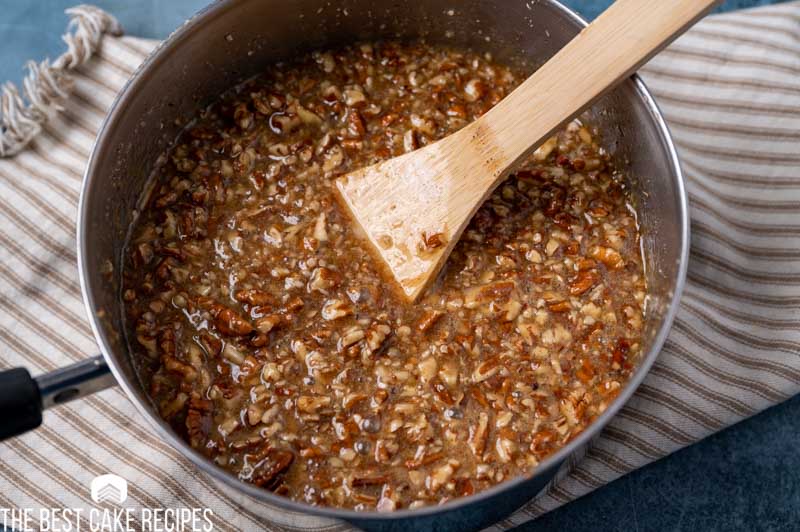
(212, 345)
(355, 125)
(559, 306)
(254, 297)
(268, 473)
(266, 323)
(368, 478)
(478, 435)
(174, 365)
(582, 282)
(230, 323)
(608, 256)
(198, 421)
(428, 319)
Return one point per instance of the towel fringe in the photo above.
(47, 84)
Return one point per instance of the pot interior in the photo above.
(235, 40)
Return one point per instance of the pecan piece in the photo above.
(267, 323)
(441, 392)
(376, 335)
(498, 291)
(174, 365)
(312, 404)
(211, 344)
(269, 472)
(230, 323)
(166, 200)
(478, 435)
(145, 251)
(464, 487)
(474, 90)
(333, 309)
(254, 297)
(425, 459)
(555, 198)
(486, 369)
(428, 319)
(564, 220)
(165, 267)
(542, 442)
(323, 279)
(620, 353)
(610, 257)
(198, 421)
(583, 282)
(559, 306)
(167, 342)
(355, 125)
(369, 479)
(388, 119)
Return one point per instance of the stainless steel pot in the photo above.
(233, 40)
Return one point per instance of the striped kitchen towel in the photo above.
(730, 90)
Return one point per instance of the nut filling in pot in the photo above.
(270, 340)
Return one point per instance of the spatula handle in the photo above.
(625, 36)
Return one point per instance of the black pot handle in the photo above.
(23, 398)
(20, 403)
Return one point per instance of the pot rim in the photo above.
(160, 54)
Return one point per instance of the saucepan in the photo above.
(233, 40)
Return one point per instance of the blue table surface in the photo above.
(743, 478)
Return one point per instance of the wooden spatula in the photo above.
(413, 208)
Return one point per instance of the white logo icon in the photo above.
(109, 488)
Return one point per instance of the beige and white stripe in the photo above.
(730, 90)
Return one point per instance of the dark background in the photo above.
(744, 478)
